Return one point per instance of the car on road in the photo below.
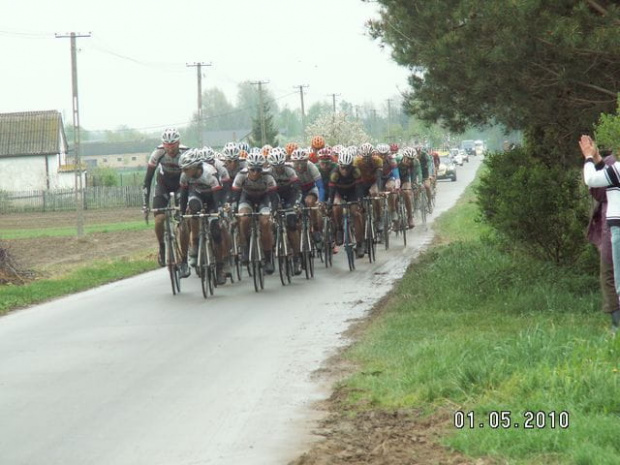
(447, 168)
(465, 155)
(456, 156)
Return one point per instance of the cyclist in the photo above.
(371, 169)
(165, 160)
(427, 167)
(345, 184)
(289, 149)
(255, 187)
(390, 177)
(312, 188)
(316, 144)
(201, 190)
(290, 196)
(326, 165)
(410, 175)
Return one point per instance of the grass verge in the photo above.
(79, 279)
(494, 335)
(70, 231)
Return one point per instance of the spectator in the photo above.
(601, 181)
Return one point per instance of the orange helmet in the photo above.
(318, 142)
(243, 154)
(290, 148)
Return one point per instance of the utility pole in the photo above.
(389, 102)
(79, 188)
(198, 67)
(374, 122)
(263, 132)
(303, 112)
(334, 101)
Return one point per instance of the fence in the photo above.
(64, 199)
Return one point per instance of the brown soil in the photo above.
(52, 256)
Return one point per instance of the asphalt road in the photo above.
(127, 374)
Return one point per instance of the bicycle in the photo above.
(234, 255)
(370, 234)
(348, 229)
(255, 253)
(420, 202)
(205, 262)
(327, 232)
(307, 246)
(385, 218)
(283, 250)
(171, 244)
(401, 211)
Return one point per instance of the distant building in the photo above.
(33, 152)
(217, 139)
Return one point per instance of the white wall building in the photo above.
(33, 152)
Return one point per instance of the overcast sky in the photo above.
(132, 70)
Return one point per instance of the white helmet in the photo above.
(299, 154)
(255, 160)
(231, 151)
(366, 149)
(170, 136)
(208, 154)
(345, 158)
(190, 158)
(383, 149)
(276, 157)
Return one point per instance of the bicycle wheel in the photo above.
(211, 278)
(402, 220)
(280, 247)
(202, 267)
(349, 246)
(289, 268)
(327, 243)
(423, 206)
(386, 227)
(255, 272)
(171, 264)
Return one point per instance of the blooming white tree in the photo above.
(338, 129)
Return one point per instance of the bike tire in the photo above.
(171, 265)
(202, 268)
(289, 269)
(386, 228)
(212, 279)
(282, 269)
(255, 273)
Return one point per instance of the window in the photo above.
(119, 159)
(133, 158)
(105, 160)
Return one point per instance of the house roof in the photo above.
(31, 133)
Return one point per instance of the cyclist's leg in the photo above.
(310, 200)
(266, 233)
(407, 196)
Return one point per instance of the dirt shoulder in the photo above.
(52, 256)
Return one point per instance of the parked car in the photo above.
(465, 155)
(447, 168)
(456, 156)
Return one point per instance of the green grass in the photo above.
(473, 328)
(95, 274)
(70, 231)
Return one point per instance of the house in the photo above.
(33, 152)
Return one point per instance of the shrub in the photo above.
(536, 205)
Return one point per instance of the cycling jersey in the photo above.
(369, 167)
(206, 187)
(288, 184)
(311, 181)
(348, 186)
(168, 165)
(248, 191)
(409, 173)
(390, 168)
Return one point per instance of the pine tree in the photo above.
(271, 133)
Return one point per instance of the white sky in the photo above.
(133, 69)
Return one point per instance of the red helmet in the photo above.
(318, 142)
(325, 154)
(394, 148)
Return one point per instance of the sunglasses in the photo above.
(255, 170)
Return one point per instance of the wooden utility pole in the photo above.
(198, 67)
(79, 188)
(303, 112)
(334, 101)
(389, 103)
(263, 132)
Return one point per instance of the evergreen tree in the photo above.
(547, 68)
(271, 133)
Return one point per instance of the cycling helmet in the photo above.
(243, 146)
(394, 148)
(299, 155)
(231, 151)
(190, 158)
(317, 142)
(170, 136)
(345, 158)
(254, 150)
(409, 152)
(255, 160)
(383, 149)
(336, 149)
(277, 157)
(290, 147)
(353, 150)
(266, 149)
(208, 154)
(243, 154)
(366, 149)
(325, 154)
